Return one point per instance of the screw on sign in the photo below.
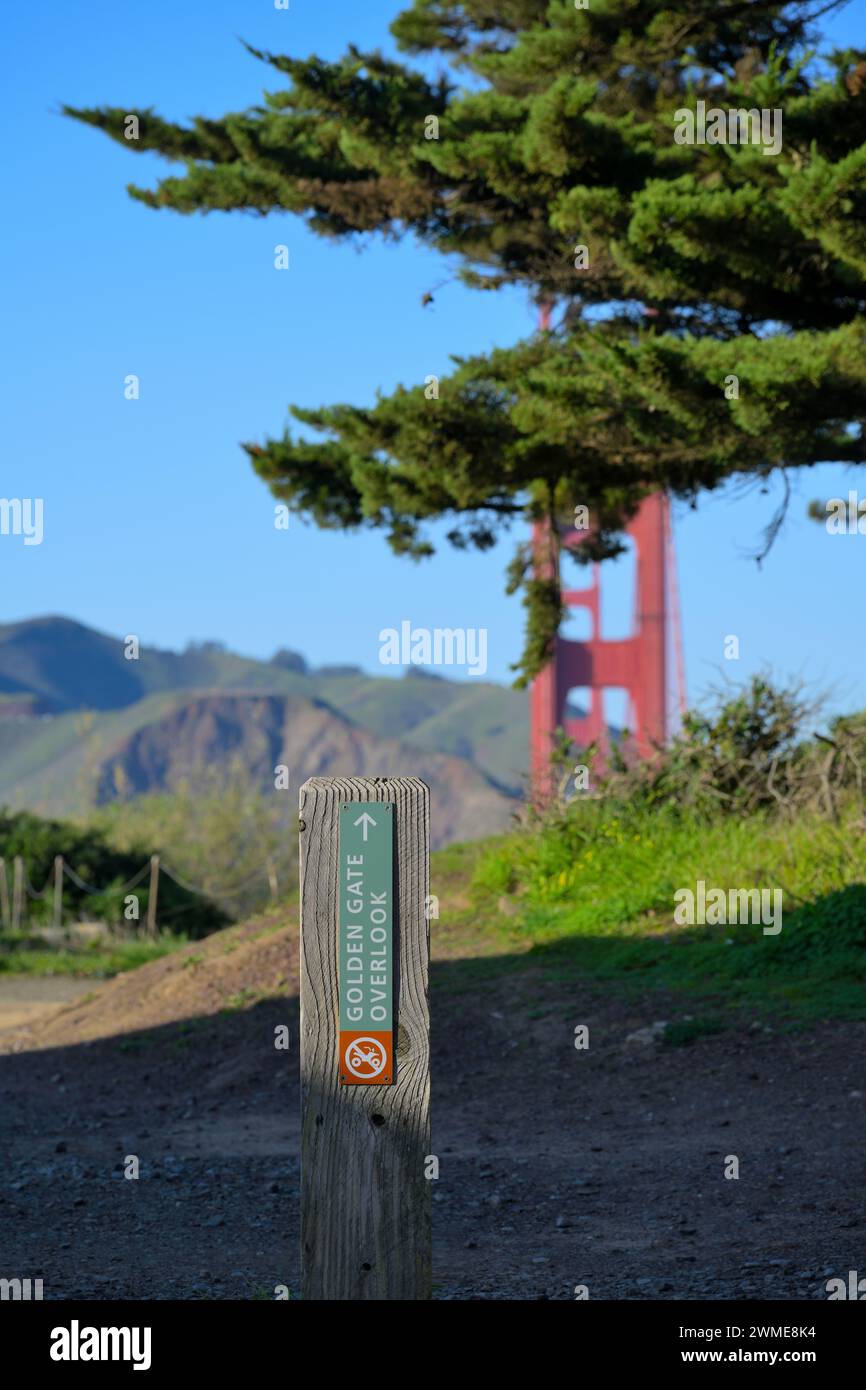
(365, 1121)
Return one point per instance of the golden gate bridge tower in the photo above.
(639, 663)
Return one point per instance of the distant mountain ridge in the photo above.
(67, 665)
(86, 725)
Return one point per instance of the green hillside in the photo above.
(70, 666)
(83, 724)
(64, 666)
(50, 765)
(484, 723)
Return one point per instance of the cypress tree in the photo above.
(707, 294)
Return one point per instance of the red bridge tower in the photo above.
(638, 664)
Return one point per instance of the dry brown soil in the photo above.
(559, 1167)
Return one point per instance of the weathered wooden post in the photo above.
(17, 891)
(58, 890)
(273, 886)
(152, 895)
(365, 1047)
(4, 897)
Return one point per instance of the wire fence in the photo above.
(236, 891)
(12, 902)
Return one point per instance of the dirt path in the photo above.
(559, 1167)
(26, 998)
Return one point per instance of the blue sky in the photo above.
(154, 522)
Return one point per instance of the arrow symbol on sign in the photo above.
(365, 820)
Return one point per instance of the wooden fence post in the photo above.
(273, 886)
(58, 890)
(17, 890)
(152, 895)
(4, 897)
(365, 1045)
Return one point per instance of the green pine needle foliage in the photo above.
(714, 328)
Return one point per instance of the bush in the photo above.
(218, 832)
(749, 752)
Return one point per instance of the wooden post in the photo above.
(4, 897)
(272, 880)
(58, 890)
(365, 1194)
(17, 891)
(152, 895)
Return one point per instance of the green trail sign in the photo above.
(366, 949)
